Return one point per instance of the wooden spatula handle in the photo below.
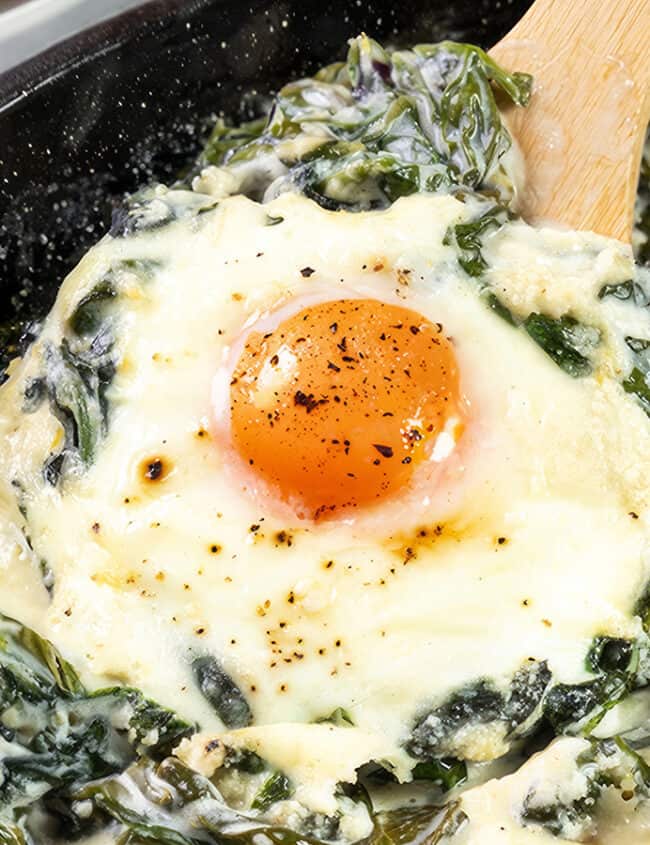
(582, 136)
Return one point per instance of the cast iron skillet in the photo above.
(129, 101)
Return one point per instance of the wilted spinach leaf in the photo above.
(427, 825)
(222, 693)
(376, 127)
(277, 787)
(565, 340)
(446, 772)
(54, 733)
(468, 238)
(605, 765)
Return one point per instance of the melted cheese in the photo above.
(494, 808)
(534, 542)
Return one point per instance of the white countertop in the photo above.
(30, 26)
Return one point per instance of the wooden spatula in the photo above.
(583, 133)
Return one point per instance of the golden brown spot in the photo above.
(155, 469)
(283, 538)
(403, 276)
(407, 545)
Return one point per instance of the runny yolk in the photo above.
(335, 408)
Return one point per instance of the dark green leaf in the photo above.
(499, 308)
(339, 717)
(566, 705)
(244, 760)
(630, 291)
(526, 692)
(67, 735)
(143, 833)
(642, 608)
(35, 394)
(610, 654)
(468, 238)
(89, 313)
(417, 826)
(222, 693)
(446, 772)
(609, 764)
(380, 126)
(479, 703)
(277, 787)
(638, 384)
(562, 339)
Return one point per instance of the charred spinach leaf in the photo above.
(378, 126)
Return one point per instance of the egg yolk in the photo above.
(335, 408)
